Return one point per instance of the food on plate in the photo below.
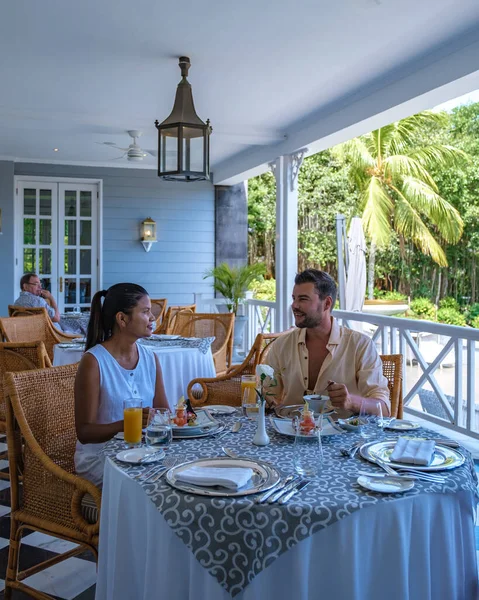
(181, 418)
(355, 422)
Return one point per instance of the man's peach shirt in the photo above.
(352, 360)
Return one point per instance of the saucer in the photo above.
(386, 485)
(135, 456)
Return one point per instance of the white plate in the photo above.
(220, 409)
(182, 433)
(444, 458)
(386, 485)
(135, 455)
(402, 425)
(162, 337)
(264, 477)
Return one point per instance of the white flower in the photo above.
(263, 371)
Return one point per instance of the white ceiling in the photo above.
(266, 74)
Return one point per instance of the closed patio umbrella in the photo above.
(356, 273)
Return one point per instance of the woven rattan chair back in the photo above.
(40, 409)
(35, 328)
(392, 370)
(158, 308)
(169, 320)
(23, 311)
(201, 325)
(226, 389)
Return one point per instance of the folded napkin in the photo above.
(414, 452)
(232, 478)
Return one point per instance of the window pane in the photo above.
(85, 204)
(85, 291)
(29, 260)
(45, 202)
(169, 149)
(44, 260)
(70, 233)
(29, 197)
(45, 232)
(70, 262)
(85, 262)
(70, 204)
(47, 282)
(29, 231)
(192, 149)
(70, 291)
(85, 233)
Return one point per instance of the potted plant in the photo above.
(233, 283)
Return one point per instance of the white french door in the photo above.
(58, 237)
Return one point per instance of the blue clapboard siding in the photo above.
(7, 285)
(185, 217)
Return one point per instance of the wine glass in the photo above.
(364, 420)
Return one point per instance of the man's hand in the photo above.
(339, 395)
(46, 294)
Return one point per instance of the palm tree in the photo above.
(397, 190)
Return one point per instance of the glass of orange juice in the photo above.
(132, 421)
(248, 396)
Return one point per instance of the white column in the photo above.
(286, 170)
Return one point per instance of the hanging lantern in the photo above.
(183, 138)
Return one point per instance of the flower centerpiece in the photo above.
(265, 376)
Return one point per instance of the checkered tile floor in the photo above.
(73, 579)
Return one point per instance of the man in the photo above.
(321, 357)
(33, 296)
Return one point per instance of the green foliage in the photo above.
(233, 282)
(450, 316)
(475, 322)
(472, 312)
(385, 295)
(449, 302)
(424, 308)
(264, 290)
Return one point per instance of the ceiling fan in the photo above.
(133, 153)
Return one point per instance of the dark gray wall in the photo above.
(185, 217)
(6, 238)
(231, 224)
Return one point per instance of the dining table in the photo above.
(74, 322)
(181, 360)
(333, 539)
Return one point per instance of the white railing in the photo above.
(431, 346)
(261, 319)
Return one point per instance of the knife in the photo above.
(287, 488)
(274, 489)
(299, 486)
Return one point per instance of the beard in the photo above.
(308, 321)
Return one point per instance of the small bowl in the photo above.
(316, 402)
(346, 424)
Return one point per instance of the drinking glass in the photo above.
(132, 421)
(378, 414)
(158, 430)
(249, 399)
(307, 451)
(364, 420)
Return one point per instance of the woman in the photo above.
(114, 368)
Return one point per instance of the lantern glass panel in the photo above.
(193, 150)
(169, 149)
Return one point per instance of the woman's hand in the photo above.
(145, 417)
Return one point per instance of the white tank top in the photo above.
(116, 384)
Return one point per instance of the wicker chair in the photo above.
(392, 370)
(169, 320)
(32, 329)
(219, 325)
(18, 357)
(40, 408)
(226, 389)
(158, 308)
(25, 311)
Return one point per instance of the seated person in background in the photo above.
(321, 357)
(33, 296)
(113, 369)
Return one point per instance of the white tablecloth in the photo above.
(417, 548)
(179, 366)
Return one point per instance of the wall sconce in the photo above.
(148, 233)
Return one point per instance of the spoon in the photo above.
(234, 429)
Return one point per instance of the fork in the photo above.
(169, 462)
(419, 474)
(174, 460)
